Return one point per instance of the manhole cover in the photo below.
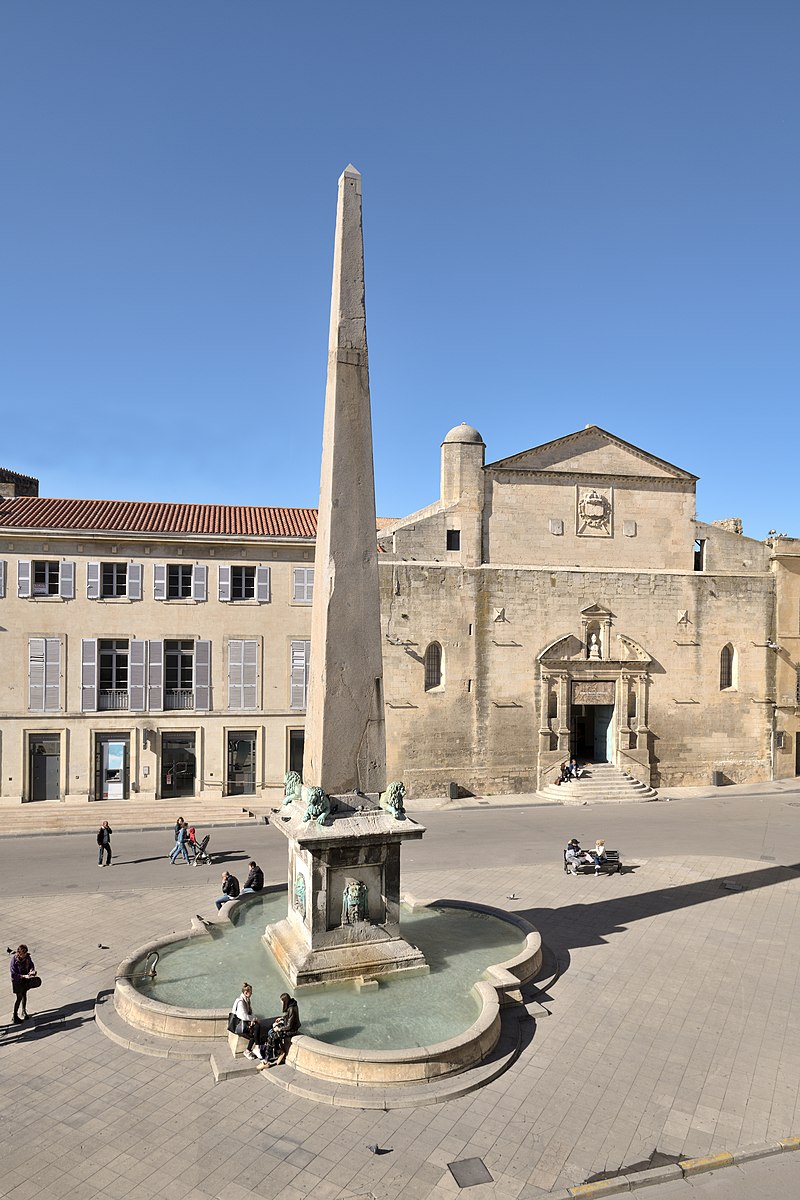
(468, 1172)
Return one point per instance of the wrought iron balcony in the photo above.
(178, 698)
(112, 699)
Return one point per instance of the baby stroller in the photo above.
(201, 854)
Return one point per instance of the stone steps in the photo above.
(600, 783)
(50, 816)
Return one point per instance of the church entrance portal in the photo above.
(592, 732)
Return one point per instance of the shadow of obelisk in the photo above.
(344, 848)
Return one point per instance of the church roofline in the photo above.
(510, 462)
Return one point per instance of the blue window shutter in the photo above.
(199, 583)
(36, 652)
(2, 579)
(92, 580)
(262, 585)
(88, 675)
(137, 675)
(224, 584)
(52, 675)
(235, 672)
(250, 674)
(155, 676)
(159, 584)
(66, 581)
(24, 577)
(202, 675)
(134, 581)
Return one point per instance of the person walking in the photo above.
(104, 843)
(23, 972)
(181, 838)
(230, 889)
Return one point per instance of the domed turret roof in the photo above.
(463, 433)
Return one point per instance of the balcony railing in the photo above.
(178, 698)
(112, 699)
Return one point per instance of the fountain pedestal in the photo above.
(344, 895)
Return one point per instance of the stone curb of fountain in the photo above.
(684, 1169)
(129, 1037)
(412, 1095)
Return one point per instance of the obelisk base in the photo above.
(374, 955)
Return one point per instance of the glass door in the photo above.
(178, 765)
(45, 767)
(241, 778)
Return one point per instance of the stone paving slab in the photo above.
(673, 1025)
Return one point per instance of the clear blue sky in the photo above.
(574, 212)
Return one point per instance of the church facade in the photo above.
(567, 601)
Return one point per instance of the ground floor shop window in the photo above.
(178, 764)
(112, 766)
(45, 766)
(241, 774)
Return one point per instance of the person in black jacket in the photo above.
(255, 878)
(230, 889)
(104, 843)
(282, 1031)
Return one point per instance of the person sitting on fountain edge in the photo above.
(255, 878)
(282, 1031)
(230, 889)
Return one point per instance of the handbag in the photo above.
(233, 1023)
(35, 982)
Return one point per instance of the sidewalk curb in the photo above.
(682, 1170)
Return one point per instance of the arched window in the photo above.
(433, 666)
(726, 667)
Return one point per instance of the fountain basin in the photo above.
(369, 1065)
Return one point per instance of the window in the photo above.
(112, 674)
(433, 666)
(303, 585)
(243, 583)
(297, 741)
(700, 555)
(179, 674)
(114, 579)
(44, 674)
(454, 539)
(726, 662)
(300, 660)
(179, 581)
(242, 673)
(45, 578)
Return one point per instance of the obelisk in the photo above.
(345, 739)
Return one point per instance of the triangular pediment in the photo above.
(592, 451)
(596, 610)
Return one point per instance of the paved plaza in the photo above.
(672, 1024)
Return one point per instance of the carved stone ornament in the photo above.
(392, 799)
(594, 512)
(354, 902)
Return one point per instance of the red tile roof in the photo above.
(140, 516)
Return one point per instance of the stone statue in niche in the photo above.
(354, 903)
(291, 786)
(318, 806)
(392, 799)
(299, 896)
(594, 646)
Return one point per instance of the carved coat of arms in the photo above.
(594, 512)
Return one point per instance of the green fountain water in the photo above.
(402, 1013)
